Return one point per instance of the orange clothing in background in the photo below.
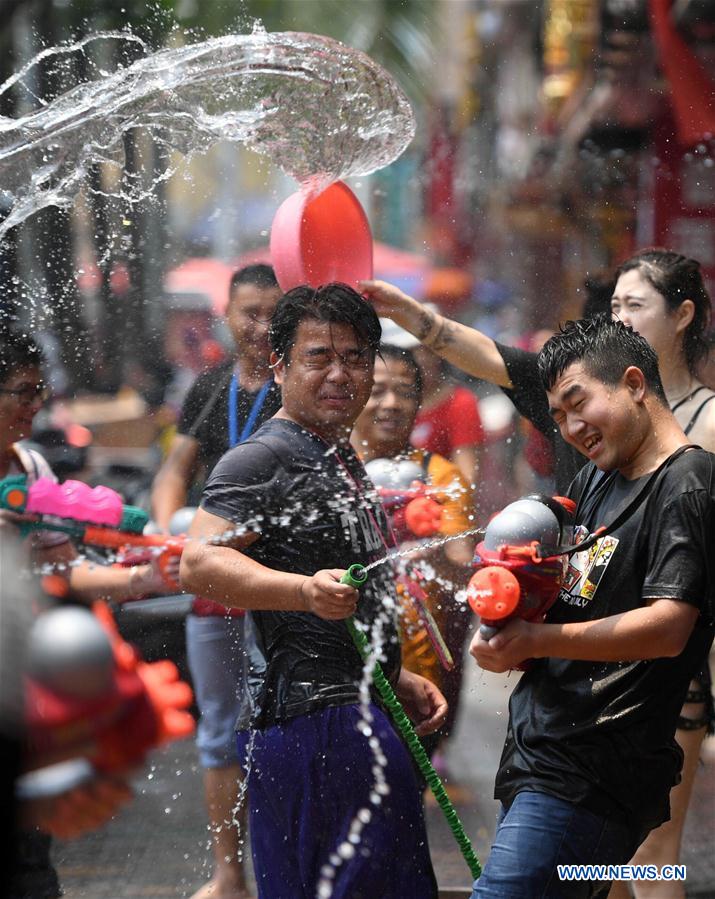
(417, 652)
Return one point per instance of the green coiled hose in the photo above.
(356, 576)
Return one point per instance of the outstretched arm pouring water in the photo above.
(465, 347)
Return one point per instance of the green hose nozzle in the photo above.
(356, 576)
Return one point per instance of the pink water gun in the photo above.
(94, 516)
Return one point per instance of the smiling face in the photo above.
(17, 410)
(603, 422)
(638, 304)
(327, 378)
(248, 316)
(383, 428)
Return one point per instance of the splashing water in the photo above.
(320, 110)
(247, 766)
(379, 787)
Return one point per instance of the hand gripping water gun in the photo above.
(520, 563)
(95, 516)
(91, 703)
(412, 505)
(356, 576)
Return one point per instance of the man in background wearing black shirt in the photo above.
(222, 408)
(590, 755)
(334, 801)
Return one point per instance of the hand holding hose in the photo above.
(356, 576)
(325, 595)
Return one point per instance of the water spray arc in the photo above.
(318, 109)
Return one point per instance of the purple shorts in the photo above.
(309, 778)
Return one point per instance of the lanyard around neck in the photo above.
(250, 423)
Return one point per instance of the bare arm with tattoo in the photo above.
(465, 347)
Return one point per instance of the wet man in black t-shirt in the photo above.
(334, 801)
(590, 755)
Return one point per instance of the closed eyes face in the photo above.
(327, 378)
(320, 358)
(593, 417)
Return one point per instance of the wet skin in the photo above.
(605, 423)
(326, 379)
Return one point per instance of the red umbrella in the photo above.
(202, 275)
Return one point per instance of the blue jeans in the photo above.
(536, 833)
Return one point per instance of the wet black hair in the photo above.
(677, 278)
(259, 275)
(335, 303)
(605, 346)
(402, 354)
(17, 351)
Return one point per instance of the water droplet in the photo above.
(346, 850)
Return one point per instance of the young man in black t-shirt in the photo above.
(590, 755)
(206, 419)
(334, 801)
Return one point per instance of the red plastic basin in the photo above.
(321, 239)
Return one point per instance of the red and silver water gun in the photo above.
(91, 703)
(520, 563)
(413, 507)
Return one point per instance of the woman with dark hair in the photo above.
(661, 294)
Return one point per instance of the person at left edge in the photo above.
(223, 407)
(22, 394)
(282, 516)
